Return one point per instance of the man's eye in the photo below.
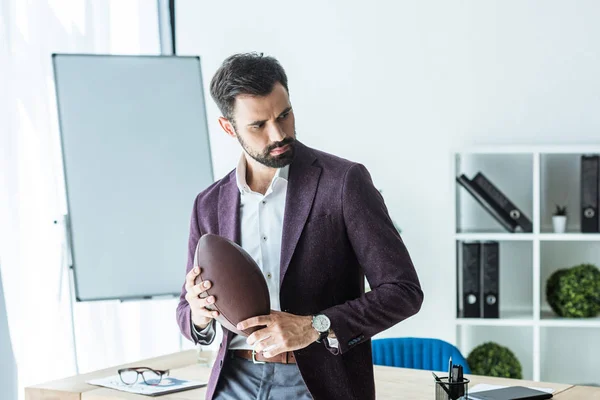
(284, 116)
(257, 126)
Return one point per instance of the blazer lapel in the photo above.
(302, 186)
(229, 211)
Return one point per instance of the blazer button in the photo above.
(221, 363)
(221, 345)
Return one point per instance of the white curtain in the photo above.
(32, 193)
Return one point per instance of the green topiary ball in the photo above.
(492, 359)
(574, 292)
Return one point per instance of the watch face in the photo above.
(321, 323)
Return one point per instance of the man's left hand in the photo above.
(283, 332)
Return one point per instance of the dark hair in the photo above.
(245, 73)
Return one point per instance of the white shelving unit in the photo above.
(535, 178)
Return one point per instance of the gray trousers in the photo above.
(243, 380)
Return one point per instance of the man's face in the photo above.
(265, 127)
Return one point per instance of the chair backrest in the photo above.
(418, 353)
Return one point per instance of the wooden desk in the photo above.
(391, 383)
(581, 393)
(75, 388)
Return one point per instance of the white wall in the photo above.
(398, 85)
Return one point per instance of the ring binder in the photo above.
(488, 203)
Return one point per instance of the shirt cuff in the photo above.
(202, 331)
(203, 336)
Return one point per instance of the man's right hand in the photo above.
(201, 316)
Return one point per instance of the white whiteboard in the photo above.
(136, 152)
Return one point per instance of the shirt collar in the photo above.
(240, 175)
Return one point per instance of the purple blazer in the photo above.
(336, 230)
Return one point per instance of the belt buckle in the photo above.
(254, 360)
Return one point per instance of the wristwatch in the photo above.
(321, 324)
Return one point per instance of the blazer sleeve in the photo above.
(183, 313)
(395, 288)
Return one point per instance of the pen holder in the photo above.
(445, 390)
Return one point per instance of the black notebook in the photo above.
(511, 393)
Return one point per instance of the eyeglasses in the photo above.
(129, 376)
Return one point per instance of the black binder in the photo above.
(590, 171)
(471, 279)
(490, 272)
(482, 198)
(503, 202)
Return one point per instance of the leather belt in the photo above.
(283, 358)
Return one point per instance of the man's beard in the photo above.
(272, 161)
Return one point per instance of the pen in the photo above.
(450, 369)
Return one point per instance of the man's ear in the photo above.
(227, 126)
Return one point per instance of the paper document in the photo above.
(168, 384)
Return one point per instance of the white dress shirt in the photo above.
(261, 223)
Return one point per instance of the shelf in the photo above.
(557, 237)
(536, 179)
(508, 318)
(525, 319)
(551, 319)
(530, 149)
(483, 236)
(579, 237)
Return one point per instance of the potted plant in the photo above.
(559, 219)
(493, 359)
(574, 292)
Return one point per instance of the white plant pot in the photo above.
(559, 222)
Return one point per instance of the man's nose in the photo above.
(276, 133)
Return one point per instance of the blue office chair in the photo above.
(417, 353)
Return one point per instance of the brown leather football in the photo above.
(239, 287)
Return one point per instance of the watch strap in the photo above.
(322, 336)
